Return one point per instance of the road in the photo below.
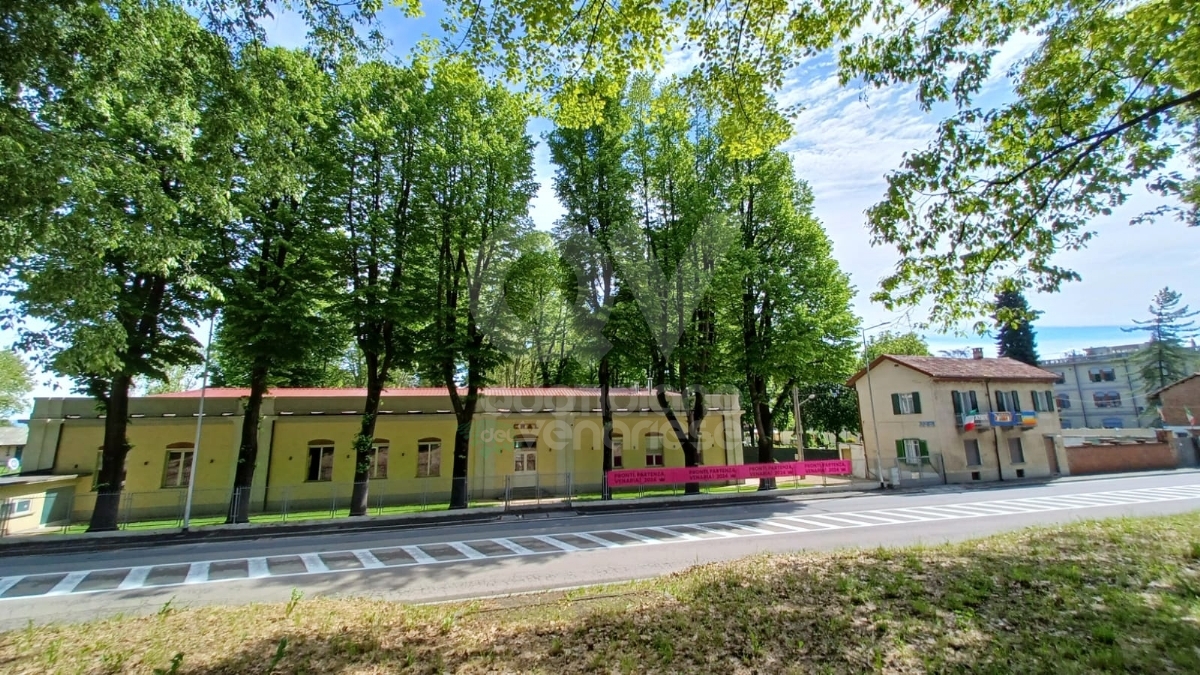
(480, 560)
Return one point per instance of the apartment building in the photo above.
(1100, 388)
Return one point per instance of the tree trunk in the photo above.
(681, 434)
(462, 446)
(763, 425)
(243, 477)
(364, 442)
(112, 465)
(607, 420)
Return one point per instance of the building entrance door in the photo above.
(525, 462)
(1051, 456)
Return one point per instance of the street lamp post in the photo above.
(871, 395)
(191, 488)
(796, 405)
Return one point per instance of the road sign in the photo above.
(14, 464)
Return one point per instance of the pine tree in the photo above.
(1165, 359)
(1017, 339)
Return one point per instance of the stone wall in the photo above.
(1117, 458)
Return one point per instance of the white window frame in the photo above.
(618, 451)
(376, 449)
(427, 450)
(905, 401)
(322, 449)
(185, 467)
(522, 452)
(655, 451)
(912, 451)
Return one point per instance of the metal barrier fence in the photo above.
(164, 509)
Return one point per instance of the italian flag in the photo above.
(969, 423)
(1190, 417)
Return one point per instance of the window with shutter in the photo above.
(895, 404)
(1049, 395)
(1037, 402)
(1016, 402)
(956, 400)
(974, 402)
(1000, 407)
(916, 403)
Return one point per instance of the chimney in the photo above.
(977, 353)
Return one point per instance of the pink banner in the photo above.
(708, 474)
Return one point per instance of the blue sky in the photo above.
(844, 142)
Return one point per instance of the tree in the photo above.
(792, 307)
(538, 331)
(1165, 359)
(594, 185)
(114, 269)
(1017, 339)
(16, 381)
(479, 183)
(378, 160)
(1107, 101)
(897, 343)
(833, 408)
(276, 270)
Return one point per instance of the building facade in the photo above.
(523, 438)
(1101, 388)
(971, 419)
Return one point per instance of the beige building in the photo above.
(956, 419)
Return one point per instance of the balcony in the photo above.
(1025, 418)
(973, 422)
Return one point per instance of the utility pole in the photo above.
(187, 507)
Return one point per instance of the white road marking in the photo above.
(68, 583)
(135, 579)
(256, 568)
(634, 535)
(197, 573)
(368, 559)
(313, 563)
(462, 548)
(513, 546)
(8, 582)
(418, 555)
(562, 545)
(597, 540)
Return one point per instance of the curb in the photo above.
(124, 539)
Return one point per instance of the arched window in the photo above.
(177, 470)
(429, 458)
(320, 460)
(618, 449)
(654, 449)
(379, 458)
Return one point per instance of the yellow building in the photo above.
(528, 442)
(963, 419)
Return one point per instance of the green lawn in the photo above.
(175, 523)
(1106, 596)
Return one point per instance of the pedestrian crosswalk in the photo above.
(482, 551)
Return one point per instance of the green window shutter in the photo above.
(1049, 400)
(1016, 402)
(1000, 402)
(1037, 401)
(916, 403)
(924, 448)
(895, 404)
(974, 403)
(900, 448)
(956, 399)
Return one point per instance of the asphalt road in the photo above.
(480, 560)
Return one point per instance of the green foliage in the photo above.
(16, 381)
(833, 409)
(1016, 338)
(889, 342)
(1165, 359)
(1106, 102)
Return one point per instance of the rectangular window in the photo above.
(1008, 401)
(1049, 398)
(379, 462)
(911, 450)
(1062, 379)
(1015, 451)
(525, 454)
(1108, 374)
(429, 458)
(22, 506)
(971, 446)
(1063, 401)
(654, 450)
(1037, 401)
(179, 468)
(618, 448)
(908, 403)
(320, 463)
(1107, 399)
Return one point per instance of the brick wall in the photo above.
(1116, 458)
(1186, 394)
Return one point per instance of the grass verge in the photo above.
(1104, 596)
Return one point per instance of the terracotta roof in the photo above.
(942, 368)
(235, 392)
